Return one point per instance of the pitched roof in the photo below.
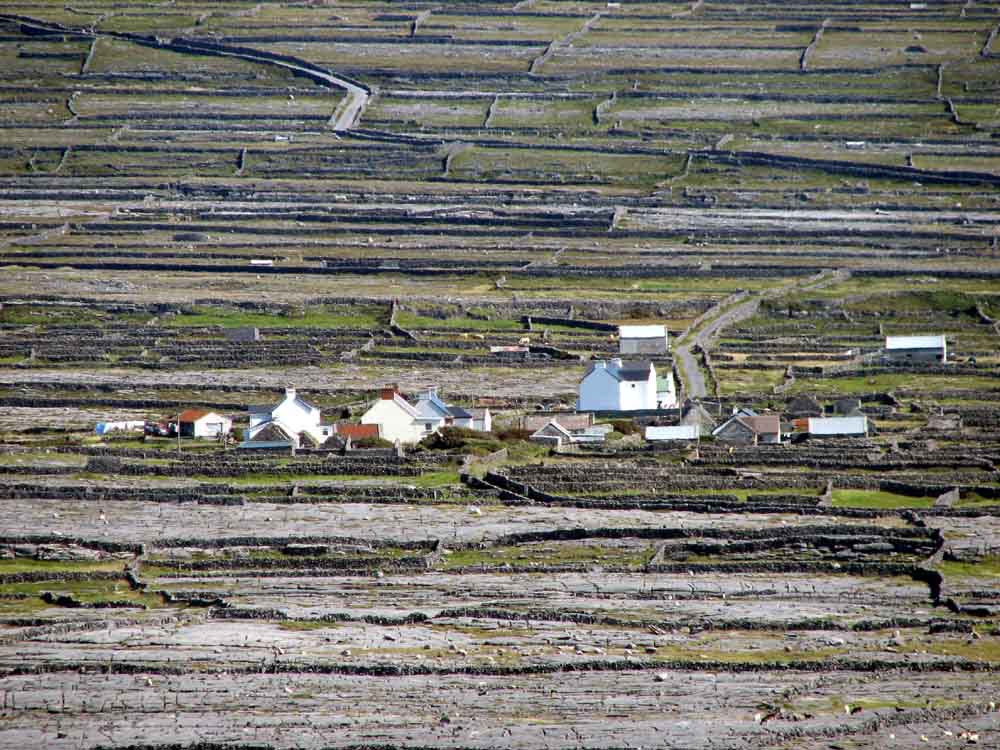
(405, 405)
(549, 428)
(458, 412)
(357, 431)
(192, 415)
(633, 371)
(766, 425)
(566, 421)
(272, 432)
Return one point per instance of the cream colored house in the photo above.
(397, 418)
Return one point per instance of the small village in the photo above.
(612, 393)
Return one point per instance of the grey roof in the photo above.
(634, 371)
(458, 412)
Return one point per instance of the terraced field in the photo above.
(392, 192)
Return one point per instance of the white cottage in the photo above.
(614, 385)
(292, 422)
(397, 418)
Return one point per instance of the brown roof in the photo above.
(192, 415)
(357, 431)
(571, 422)
(769, 425)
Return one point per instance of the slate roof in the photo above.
(633, 371)
(459, 413)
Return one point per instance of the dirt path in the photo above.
(707, 331)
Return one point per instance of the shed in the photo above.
(837, 427)
(199, 423)
(916, 348)
(666, 434)
(649, 339)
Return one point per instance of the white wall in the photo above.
(212, 425)
(290, 413)
(599, 391)
(395, 423)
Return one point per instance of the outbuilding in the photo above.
(199, 423)
(650, 339)
(683, 432)
(826, 427)
(916, 349)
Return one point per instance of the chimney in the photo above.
(616, 363)
(389, 392)
(600, 364)
(289, 393)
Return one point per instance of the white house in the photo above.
(615, 385)
(916, 348)
(837, 426)
(292, 422)
(650, 339)
(397, 418)
(199, 423)
(435, 414)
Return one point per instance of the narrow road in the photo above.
(706, 332)
(345, 117)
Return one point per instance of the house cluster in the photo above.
(295, 423)
(804, 418)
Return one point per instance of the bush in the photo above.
(448, 438)
(625, 426)
(513, 433)
(371, 442)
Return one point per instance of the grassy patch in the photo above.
(987, 567)
(878, 500)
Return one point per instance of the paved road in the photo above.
(705, 334)
(345, 117)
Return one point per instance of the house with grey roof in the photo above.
(433, 414)
(746, 427)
